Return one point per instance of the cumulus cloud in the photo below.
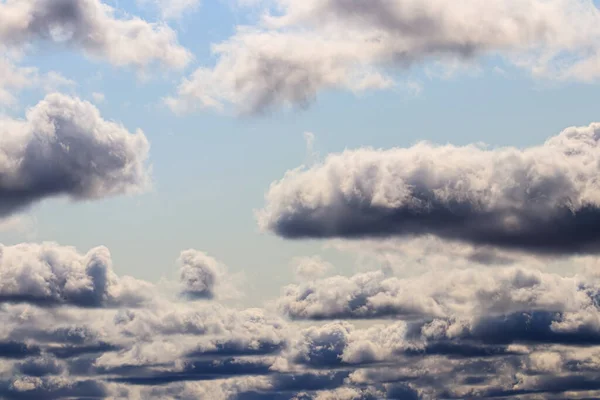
(51, 275)
(64, 147)
(203, 277)
(353, 45)
(466, 293)
(93, 27)
(540, 199)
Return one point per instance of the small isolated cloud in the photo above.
(203, 277)
(91, 26)
(542, 199)
(64, 147)
(353, 45)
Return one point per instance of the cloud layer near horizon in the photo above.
(64, 147)
(543, 199)
(73, 328)
(355, 45)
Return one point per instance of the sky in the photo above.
(327, 199)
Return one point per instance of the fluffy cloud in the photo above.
(203, 277)
(93, 27)
(64, 148)
(350, 44)
(465, 293)
(538, 199)
(50, 275)
(14, 78)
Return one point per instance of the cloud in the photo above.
(73, 328)
(50, 275)
(203, 277)
(14, 78)
(345, 44)
(466, 293)
(64, 148)
(93, 27)
(541, 199)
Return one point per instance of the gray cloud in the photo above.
(65, 148)
(350, 44)
(471, 333)
(539, 199)
(203, 277)
(91, 26)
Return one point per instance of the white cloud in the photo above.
(351, 45)
(91, 26)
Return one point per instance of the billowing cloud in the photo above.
(93, 27)
(353, 45)
(541, 199)
(65, 148)
(465, 293)
(203, 277)
(50, 275)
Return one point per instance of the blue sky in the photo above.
(211, 170)
(348, 199)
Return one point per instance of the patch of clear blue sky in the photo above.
(211, 171)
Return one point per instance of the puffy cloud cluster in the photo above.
(73, 328)
(352, 44)
(49, 275)
(440, 294)
(65, 148)
(540, 199)
(93, 27)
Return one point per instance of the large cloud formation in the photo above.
(64, 147)
(539, 199)
(351, 44)
(73, 328)
(91, 26)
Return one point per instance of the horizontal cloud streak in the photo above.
(542, 199)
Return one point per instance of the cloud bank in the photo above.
(542, 199)
(64, 147)
(358, 46)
